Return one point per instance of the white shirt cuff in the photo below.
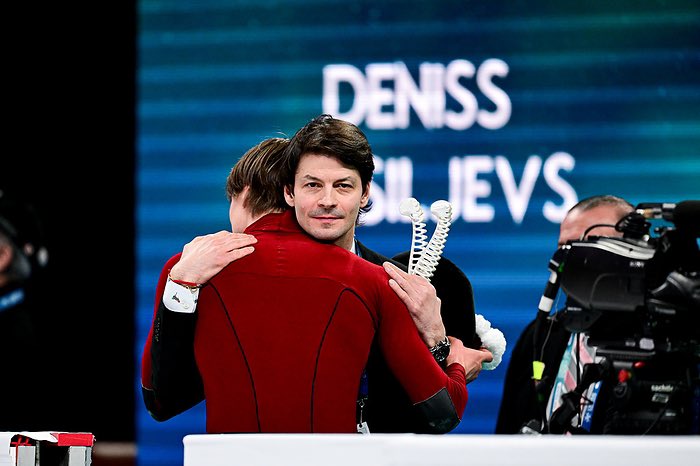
(178, 298)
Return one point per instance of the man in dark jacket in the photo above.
(303, 358)
(327, 209)
(523, 399)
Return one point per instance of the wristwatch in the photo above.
(441, 350)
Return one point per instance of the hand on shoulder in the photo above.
(207, 255)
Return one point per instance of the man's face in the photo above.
(327, 198)
(577, 221)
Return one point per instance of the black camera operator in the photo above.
(635, 303)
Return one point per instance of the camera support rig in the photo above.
(638, 300)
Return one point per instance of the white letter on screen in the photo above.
(498, 118)
(378, 96)
(333, 75)
(518, 198)
(465, 119)
(475, 188)
(556, 162)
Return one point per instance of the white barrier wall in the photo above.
(424, 450)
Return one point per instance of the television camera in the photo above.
(637, 299)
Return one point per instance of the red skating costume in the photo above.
(281, 339)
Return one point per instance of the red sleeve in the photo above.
(411, 361)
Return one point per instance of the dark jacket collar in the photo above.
(375, 257)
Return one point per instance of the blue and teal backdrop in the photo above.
(510, 110)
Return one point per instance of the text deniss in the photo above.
(382, 97)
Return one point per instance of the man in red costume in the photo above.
(329, 207)
(281, 336)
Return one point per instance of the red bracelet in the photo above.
(189, 285)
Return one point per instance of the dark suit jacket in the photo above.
(388, 407)
(521, 401)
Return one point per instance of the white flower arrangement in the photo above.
(492, 339)
(424, 257)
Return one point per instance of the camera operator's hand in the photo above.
(205, 256)
(470, 359)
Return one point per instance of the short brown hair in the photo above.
(260, 169)
(331, 137)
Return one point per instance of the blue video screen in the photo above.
(511, 111)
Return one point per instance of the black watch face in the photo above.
(442, 352)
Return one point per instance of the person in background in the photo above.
(522, 399)
(22, 255)
(281, 335)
